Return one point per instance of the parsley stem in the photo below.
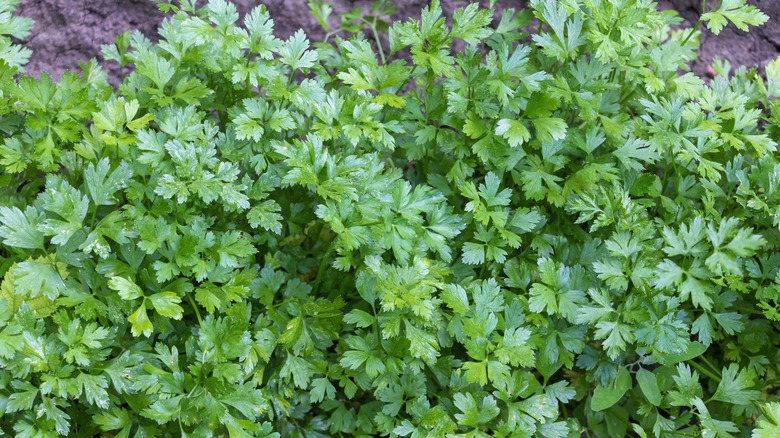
(698, 23)
(323, 265)
(677, 432)
(378, 43)
(92, 219)
(403, 84)
(693, 31)
(290, 78)
(750, 311)
(704, 371)
(317, 231)
(377, 330)
(194, 307)
(713, 368)
(51, 261)
(330, 34)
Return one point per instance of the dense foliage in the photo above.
(422, 228)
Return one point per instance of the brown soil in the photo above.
(753, 49)
(68, 32)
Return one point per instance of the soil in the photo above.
(68, 32)
(754, 49)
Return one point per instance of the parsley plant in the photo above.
(557, 234)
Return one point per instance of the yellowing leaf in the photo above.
(140, 323)
(390, 100)
(42, 305)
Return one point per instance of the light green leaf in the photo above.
(167, 304)
(768, 426)
(735, 385)
(127, 289)
(140, 323)
(514, 131)
(295, 52)
(735, 11)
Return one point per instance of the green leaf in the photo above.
(127, 289)
(23, 397)
(694, 350)
(321, 388)
(549, 129)
(634, 153)
(43, 276)
(769, 425)
(515, 348)
(158, 69)
(233, 245)
(167, 304)
(114, 420)
(295, 52)
(14, 297)
(473, 415)
(605, 397)
(734, 386)
(454, 296)
(514, 131)
(19, 28)
(51, 410)
(102, 186)
(359, 318)
(473, 253)
(566, 37)
(266, 216)
(735, 11)
(20, 228)
(473, 231)
(649, 386)
(94, 388)
(422, 344)
(63, 200)
(471, 23)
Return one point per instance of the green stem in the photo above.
(51, 261)
(676, 432)
(330, 34)
(751, 311)
(316, 231)
(323, 265)
(290, 79)
(45, 252)
(704, 371)
(194, 307)
(698, 23)
(378, 42)
(403, 84)
(247, 85)
(707, 362)
(377, 330)
(92, 219)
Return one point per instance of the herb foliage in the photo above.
(420, 228)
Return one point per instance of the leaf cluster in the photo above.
(440, 226)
